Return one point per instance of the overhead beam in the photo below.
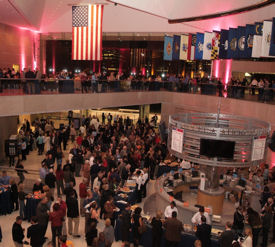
(242, 10)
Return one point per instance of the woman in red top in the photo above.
(59, 180)
(56, 218)
(79, 140)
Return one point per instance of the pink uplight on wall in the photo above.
(228, 67)
(216, 68)
(272, 160)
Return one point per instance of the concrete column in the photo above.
(8, 127)
(144, 111)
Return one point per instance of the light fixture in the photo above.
(162, 75)
(247, 74)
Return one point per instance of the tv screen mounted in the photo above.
(217, 148)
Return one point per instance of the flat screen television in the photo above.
(217, 148)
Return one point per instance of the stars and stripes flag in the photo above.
(87, 32)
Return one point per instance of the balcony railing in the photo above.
(57, 86)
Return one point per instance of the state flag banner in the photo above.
(176, 47)
(257, 46)
(272, 42)
(189, 47)
(223, 44)
(232, 42)
(249, 34)
(207, 46)
(193, 46)
(266, 38)
(259, 28)
(168, 48)
(215, 45)
(241, 42)
(184, 46)
(199, 46)
(87, 32)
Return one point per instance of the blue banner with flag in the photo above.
(223, 44)
(241, 42)
(249, 33)
(259, 28)
(199, 46)
(272, 40)
(176, 47)
(232, 41)
(168, 48)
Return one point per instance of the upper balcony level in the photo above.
(33, 96)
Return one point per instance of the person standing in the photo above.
(59, 174)
(170, 209)
(156, 230)
(125, 225)
(82, 195)
(254, 221)
(21, 196)
(56, 218)
(18, 232)
(73, 215)
(173, 231)
(247, 242)
(14, 195)
(108, 233)
(266, 221)
(227, 237)
(34, 232)
(42, 215)
(238, 223)
(196, 219)
(203, 232)
(50, 180)
(138, 186)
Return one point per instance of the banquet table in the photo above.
(187, 239)
(166, 169)
(5, 203)
(31, 206)
(130, 199)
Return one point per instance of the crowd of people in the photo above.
(104, 155)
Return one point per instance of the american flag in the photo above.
(87, 32)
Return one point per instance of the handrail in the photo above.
(26, 86)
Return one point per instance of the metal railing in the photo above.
(58, 86)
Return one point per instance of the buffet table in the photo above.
(187, 239)
(31, 205)
(5, 202)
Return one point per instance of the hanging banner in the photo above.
(199, 46)
(266, 39)
(258, 149)
(176, 47)
(168, 48)
(177, 140)
(183, 47)
(223, 44)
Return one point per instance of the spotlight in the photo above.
(162, 75)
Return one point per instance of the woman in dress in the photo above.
(47, 142)
(248, 239)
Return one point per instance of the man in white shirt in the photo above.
(138, 186)
(185, 164)
(196, 219)
(144, 181)
(169, 209)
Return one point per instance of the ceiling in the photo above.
(131, 16)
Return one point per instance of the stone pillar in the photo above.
(8, 127)
(144, 111)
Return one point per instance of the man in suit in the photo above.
(35, 233)
(203, 232)
(18, 232)
(227, 236)
(173, 229)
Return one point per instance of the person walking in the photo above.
(108, 233)
(50, 180)
(59, 174)
(22, 196)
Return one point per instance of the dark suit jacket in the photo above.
(203, 234)
(35, 233)
(226, 239)
(173, 228)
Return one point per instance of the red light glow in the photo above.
(272, 160)
(216, 68)
(228, 67)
